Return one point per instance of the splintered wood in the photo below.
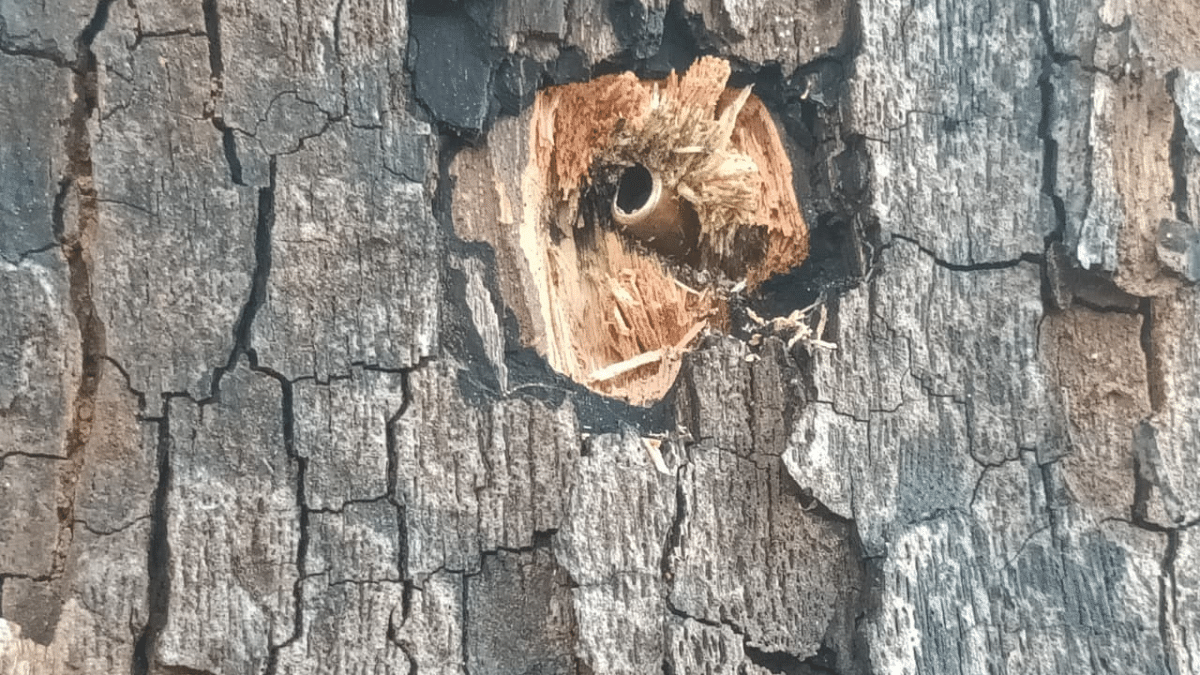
(603, 309)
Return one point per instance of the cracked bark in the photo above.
(265, 408)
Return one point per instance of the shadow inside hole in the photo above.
(634, 189)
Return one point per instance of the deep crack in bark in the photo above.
(229, 147)
(1029, 258)
(1049, 143)
(393, 463)
(158, 555)
(79, 177)
(675, 534)
(264, 226)
(212, 28)
(1168, 610)
(287, 411)
(466, 621)
(1177, 157)
(216, 66)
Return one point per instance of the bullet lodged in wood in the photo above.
(655, 214)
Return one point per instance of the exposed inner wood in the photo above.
(612, 301)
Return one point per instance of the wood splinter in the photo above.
(646, 358)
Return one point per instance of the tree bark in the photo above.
(267, 404)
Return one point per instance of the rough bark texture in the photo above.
(263, 407)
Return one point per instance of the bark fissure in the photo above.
(393, 461)
(142, 36)
(25, 255)
(354, 582)
(393, 634)
(212, 28)
(216, 65)
(983, 474)
(699, 619)
(139, 395)
(1045, 123)
(465, 602)
(74, 247)
(1102, 308)
(940, 513)
(257, 295)
(158, 555)
(287, 411)
(33, 455)
(330, 120)
(129, 205)
(104, 532)
(1025, 258)
(40, 578)
(675, 534)
(342, 508)
(1168, 617)
(850, 416)
(773, 661)
(337, 34)
(393, 478)
(1177, 157)
(229, 147)
(783, 663)
(6, 47)
(183, 670)
(541, 541)
(1144, 480)
(1012, 559)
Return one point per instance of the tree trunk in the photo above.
(270, 401)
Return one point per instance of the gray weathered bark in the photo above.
(263, 410)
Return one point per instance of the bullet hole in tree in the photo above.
(640, 202)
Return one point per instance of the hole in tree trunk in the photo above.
(640, 203)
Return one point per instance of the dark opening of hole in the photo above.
(634, 189)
